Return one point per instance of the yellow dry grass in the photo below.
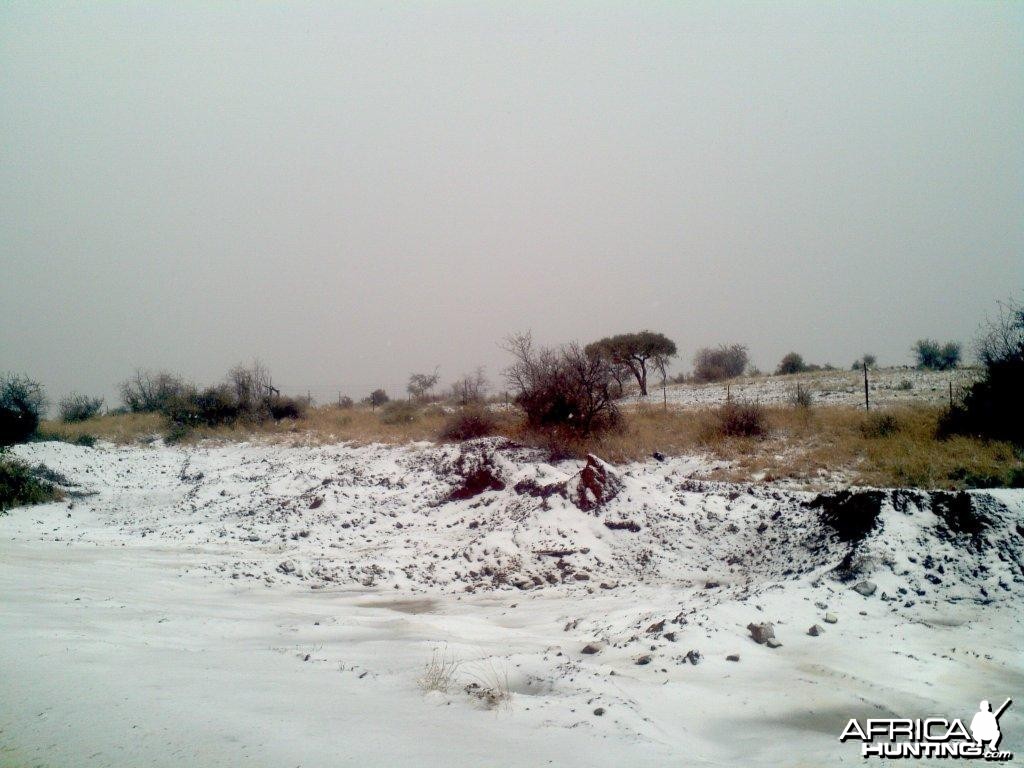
(119, 428)
(813, 448)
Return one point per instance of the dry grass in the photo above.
(120, 429)
(812, 447)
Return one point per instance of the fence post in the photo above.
(951, 394)
(867, 398)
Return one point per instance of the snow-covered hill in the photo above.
(606, 600)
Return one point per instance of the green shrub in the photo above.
(22, 403)
(398, 412)
(937, 357)
(994, 406)
(791, 363)
(21, 485)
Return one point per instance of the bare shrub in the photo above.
(76, 407)
(803, 398)
(22, 404)
(253, 391)
(489, 684)
(564, 387)
(879, 425)
(346, 403)
(150, 392)
(737, 419)
(470, 388)
(468, 423)
(723, 362)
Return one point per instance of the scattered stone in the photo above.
(733, 657)
(656, 627)
(771, 642)
(590, 649)
(761, 633)
(643, 660)
(658, 456)
(866, 588)
(599, 711)
(815, 630)
(670, 636)
(693, 657)
(831, 618)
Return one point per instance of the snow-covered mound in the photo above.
(489, 515)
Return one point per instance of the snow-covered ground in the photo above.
(265, 605)
(886, 387)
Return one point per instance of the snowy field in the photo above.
(886, 387)
(264, 605)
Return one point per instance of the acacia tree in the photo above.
(420, 384)
(634, 351)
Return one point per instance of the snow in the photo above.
(886, 386)
(261, 604)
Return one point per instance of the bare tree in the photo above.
(470, 388)
(564, 386)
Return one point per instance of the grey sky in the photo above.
(355, 191)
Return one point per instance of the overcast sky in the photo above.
(355, 191)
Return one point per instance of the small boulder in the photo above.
(656, 628)
(643, 660)
(599, 711)
(761, 633)
(815, 630)
(771, 642)
(590, 649)
(693, 657)
(733, 657)
(831, 618)
(866, 588)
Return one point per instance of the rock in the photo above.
(599, 711)
(658, 456)
(590, 649)
(733, 657)
(656, 627)
(693, 657)
(815, 630)
(287, 566)
(761, 633)
(670, 636)
(598, 484)
(771, 642)
(831, 618)
(253, 537)
(866, 588)
(643, 660)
